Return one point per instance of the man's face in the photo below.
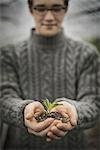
(48, 15)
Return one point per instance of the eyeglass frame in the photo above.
(46, 9)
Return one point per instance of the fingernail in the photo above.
(48, 139)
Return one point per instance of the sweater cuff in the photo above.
(84, 122)
(21, 108)
(13, 113)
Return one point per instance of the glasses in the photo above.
(56, 10)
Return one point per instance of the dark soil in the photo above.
(54, 115)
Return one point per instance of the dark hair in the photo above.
(30, 3)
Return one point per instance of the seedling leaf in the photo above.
(48, 105)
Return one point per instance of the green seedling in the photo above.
(48, 114)
(49, 105)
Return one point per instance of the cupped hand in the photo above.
(31, 111)
(58, 128)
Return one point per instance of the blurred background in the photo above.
(81, 22)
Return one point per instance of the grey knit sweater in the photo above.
(52, 68)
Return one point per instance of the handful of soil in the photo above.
(47, 114)
(54, 115)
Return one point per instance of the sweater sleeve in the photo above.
(87, 100)
(11, 100)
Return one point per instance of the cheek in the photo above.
(60, 20)
(37, 20)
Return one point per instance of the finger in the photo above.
(65, 118)
(71, 112)
(33, 108)
(65, 114)
(55, 122)
(42, 133)
(65, 126)
(33, 132)
(38, 113)
(48, 139)
(30, 130)
(37, 127)
(42, 125)
(33, 113)
(30, 123)
(52, 136)
(73, 116)
(55, 131)
(29, 115)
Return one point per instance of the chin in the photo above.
(49, 33)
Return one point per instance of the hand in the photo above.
(30, 112)
(59, 129)
(55, 131)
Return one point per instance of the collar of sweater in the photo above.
(41, 42)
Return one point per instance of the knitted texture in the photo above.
(52, 68)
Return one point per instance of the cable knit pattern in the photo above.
(52, 68)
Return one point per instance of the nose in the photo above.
(49, 16)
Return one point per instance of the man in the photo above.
(48, 65)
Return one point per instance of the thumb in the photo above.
(32, 109)
(73, 117)
(29, 111)
(29, 115)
